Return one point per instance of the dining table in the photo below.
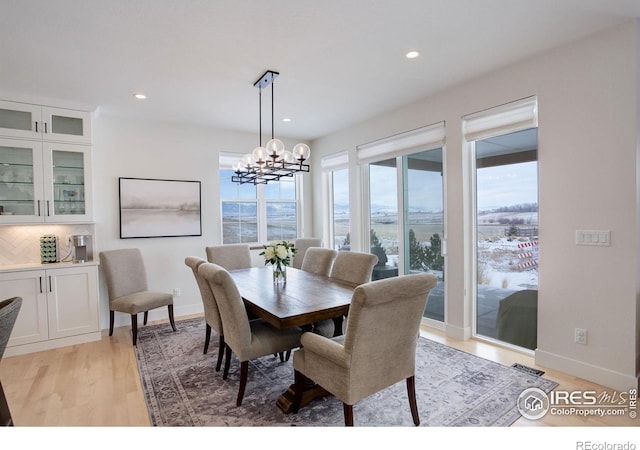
(302, 300)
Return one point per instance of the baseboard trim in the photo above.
(459, 333)
(594, 374)
(51, 344)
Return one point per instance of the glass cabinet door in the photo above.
(65, 178)
(66, 125)
(20, 181)
(20, 120)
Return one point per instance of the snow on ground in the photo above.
(502, 263)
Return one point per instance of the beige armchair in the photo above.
(230, 256)
(126, 279)
(378, 349)
(211, 313)
(302, 244)
(9, 310)
(353, 267)
(247, 339)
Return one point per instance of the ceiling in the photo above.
(340, 61)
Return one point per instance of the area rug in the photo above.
(453, 388)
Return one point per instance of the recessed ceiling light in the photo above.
(412, 54)
(286, 119)
(139, 95)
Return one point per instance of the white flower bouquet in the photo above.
(279, 255)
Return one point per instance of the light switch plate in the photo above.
(593, 237)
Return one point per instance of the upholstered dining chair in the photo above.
(211, 312)
(247, 339)
(378, 349)
(128, 290)
(230, 256)
(302, 244)
(318, 260)
(9, 310)
(353, 267)
(233, 257)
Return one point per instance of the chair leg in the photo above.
(287, 355)
(221, 347)
(134, 327)
(348, 415)
(111, 320)
(244, 371)
(146, 316)
(5, 414)
(207, 338)
(281, 354)
(411, 392)
(227, 361)
(173, 322)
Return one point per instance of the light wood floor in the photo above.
(98, 384)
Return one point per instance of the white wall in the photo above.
(133, 148)
(588, 98)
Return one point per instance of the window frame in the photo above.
(226, 162)
(330, 164)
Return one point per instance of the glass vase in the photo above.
(279, 273)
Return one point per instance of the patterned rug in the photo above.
(453, 388)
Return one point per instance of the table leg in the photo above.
(310, 393)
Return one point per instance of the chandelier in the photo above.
(272, 162)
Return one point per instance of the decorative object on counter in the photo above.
(279, 255)
(48, 249)
(79, 242)
(272, 162)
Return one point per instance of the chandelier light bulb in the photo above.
(275, 147)
(247, 160)
(287, 157)
(259, 154)
(301, 151)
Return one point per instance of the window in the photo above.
(336, 198)
(502, 145)
(340, 208)
(405, 197)
(262, 213)
(282, 216)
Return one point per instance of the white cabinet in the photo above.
(27, 121)
(59, 306)
(45, 182)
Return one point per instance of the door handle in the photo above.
(40, 284)
(36, 126)
(48, 212)
(50, 287)
(38, 207)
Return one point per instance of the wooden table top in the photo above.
(304, 299)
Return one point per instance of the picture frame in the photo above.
(159, 208)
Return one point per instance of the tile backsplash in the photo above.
(20, 244)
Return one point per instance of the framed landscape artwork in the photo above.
(159, 208)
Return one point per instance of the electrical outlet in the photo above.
(581, 336)
(176, 292)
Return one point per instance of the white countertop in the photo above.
(40, 266)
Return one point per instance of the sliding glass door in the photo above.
(506, 218)
(406, 219)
